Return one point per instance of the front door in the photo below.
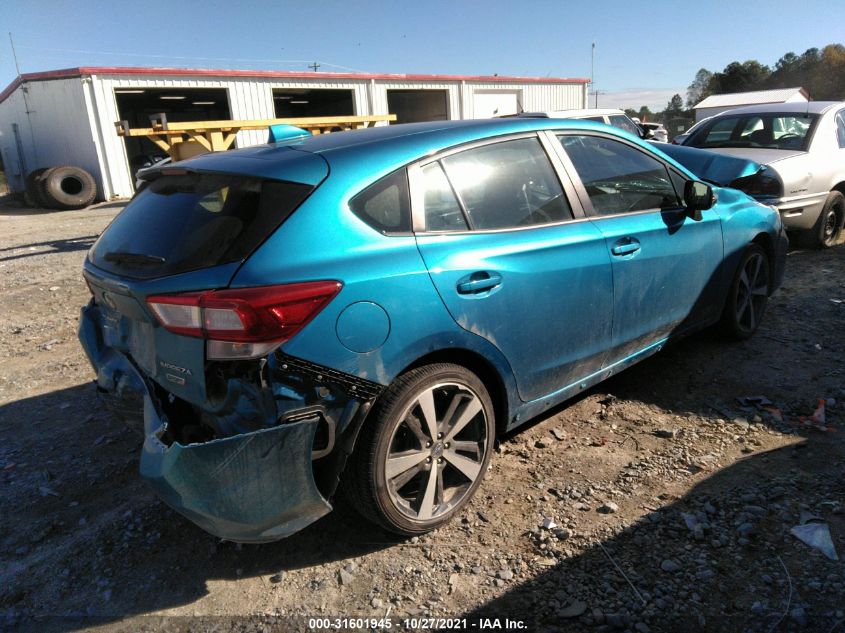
(664, 263)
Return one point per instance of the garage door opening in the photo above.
(291, 102)
(135, 105)
(411, 106)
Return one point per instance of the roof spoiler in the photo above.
(284, 132)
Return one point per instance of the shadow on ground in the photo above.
(741, 571)
(47, 247)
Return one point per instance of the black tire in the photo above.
(69, 188)
(825, 233)
(397, 420)
(34, 190)
(748, 294)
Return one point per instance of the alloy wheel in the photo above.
(752, 292)
(436, 451)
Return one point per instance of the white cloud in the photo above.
(656, 100)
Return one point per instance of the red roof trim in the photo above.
(10, 89)
(271, 74)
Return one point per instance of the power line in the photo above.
(189, 58)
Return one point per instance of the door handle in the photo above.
(477, 282)
(625, 246)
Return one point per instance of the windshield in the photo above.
(765, 130)
(186, 222)
(622, 121)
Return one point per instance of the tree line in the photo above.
(821, 72)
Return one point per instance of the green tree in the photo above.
(675, 107)
(820, 71)
(698, 90)
(631, 112)
(645, 113)
(739, 77)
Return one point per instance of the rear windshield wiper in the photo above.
(133, 259)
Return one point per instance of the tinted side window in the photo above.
(507, 184)
(385, 205)
(618, 177)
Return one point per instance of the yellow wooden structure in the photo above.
(183, 140)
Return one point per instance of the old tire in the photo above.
(825, 233)
(69, 188)
(748, 294)
(423, 450)
(34, 188)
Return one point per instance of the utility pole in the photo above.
(14, 54)
(28, 112)
(314, 66)
(593, 72)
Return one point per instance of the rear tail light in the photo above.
(244, 322)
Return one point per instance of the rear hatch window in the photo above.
(185, 222)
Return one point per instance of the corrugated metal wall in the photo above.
(12, 113)
(56, 132)
(532, 97)
(73, 119)
(249, 99)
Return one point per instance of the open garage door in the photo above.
(181, 105)
(291, 102)
(491, 104)
(411, 106)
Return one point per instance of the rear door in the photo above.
(664, 263)
(514, 260)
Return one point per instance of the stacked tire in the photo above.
(62, 188)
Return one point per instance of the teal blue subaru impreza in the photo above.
(366, 311)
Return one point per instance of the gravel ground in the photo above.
(658, 501)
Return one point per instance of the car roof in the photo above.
(422, 137)
(574, 113)
(380, 150)
(811, 107)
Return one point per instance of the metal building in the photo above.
(67, 117)
(714, 104)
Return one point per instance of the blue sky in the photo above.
(645, 52)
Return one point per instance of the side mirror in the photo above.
(646, 133)
(698, 196)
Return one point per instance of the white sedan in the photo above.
(802, 146)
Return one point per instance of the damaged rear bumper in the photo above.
(250, 488)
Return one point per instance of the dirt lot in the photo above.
(672, 501)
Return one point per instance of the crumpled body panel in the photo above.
(253, 487)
